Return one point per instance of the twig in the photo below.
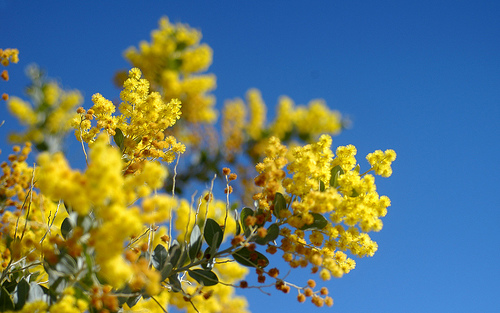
(163, 309)
(173, 195)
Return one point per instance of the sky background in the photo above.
(420, 77)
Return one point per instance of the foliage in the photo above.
(120, 235)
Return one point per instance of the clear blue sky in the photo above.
(421, 77)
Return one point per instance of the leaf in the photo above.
(6, 302)
(207, 278)
(66, 228)
(183, 257)
(159, 257)
(279, 204)
(21, 294)
(66, 265)
(238, 227)
(175, 283)
(211, 229)
(272, 233)
(250, 258)
(208, 255)
(131, 301)
(195, 243)
(321, 186)
(244, 213)
(37, 293)
(335, 173)
(119, 139)
(357, 168)
(174, 253)
(319, 222)
(165, 272)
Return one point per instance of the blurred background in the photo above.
(419, 77)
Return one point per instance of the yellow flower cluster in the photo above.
(271, 173)
(233, 126)
(308, 122)
(104, 190)
(139, 129)
(48, 119)
(311, 165)
(323, 188)
(381, 162)
(172, 62)
(8, 56)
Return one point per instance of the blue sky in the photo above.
(420, 77)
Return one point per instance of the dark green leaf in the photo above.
(207, 278)
(335, 173)
(6, 302)
(119, 138)
(183, 257)
(319, 222)
(159, 257)
(238, 227)
(211, 229)
(131, 301)
(165, 272)
(21, 294)
(195, 242)
(354, 193)
(244, 214)
(66, 228)
(175, 283)
(250, 258)
(272, 233)
(321, 186)
(174, 253)
(357, 168)
(209, 256)
(279, 204)
(174, 64)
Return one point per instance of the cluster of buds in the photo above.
(103, 300)
(318, 298)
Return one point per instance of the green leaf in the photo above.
(195, 243)
(66, 228)
(272, 233)
(174, 64)
(319, 222)
(238, 227)
(207, 278)
(159, 257)
(357, 168)
(175, 283)
(131, 301)
(211, 229)
(250, 258)
(21, 294)
(279, 204)
(183, 257)
(165, 272)
(244, 213)
(119, 139)
(335, 173)
(174, 253)
(321, 186)
(6, 302)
